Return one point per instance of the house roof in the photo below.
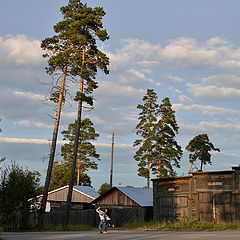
(85, 190)
(142, 196)
(89, 191)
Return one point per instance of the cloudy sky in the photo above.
(186, 50)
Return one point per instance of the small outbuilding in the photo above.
(128, 204)
(126, 197)
(82, 196)
(204, 196)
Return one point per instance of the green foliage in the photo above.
(157, 129)
(86, 155)
(146, 130)
(17, 187)
(167, 153)
(73, 48)
(104, 188)
(200, 146)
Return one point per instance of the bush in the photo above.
(17, 187)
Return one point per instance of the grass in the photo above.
(183, 226)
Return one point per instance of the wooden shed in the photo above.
(128, 204)
(204, 196)
(82, 196)
(126, 197)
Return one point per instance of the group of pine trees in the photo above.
(72, 53)
(158, 152)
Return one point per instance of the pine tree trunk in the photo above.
(70, 188)
(52, 152)
(75, 149)
(159, 163)
(149, 122)
(79, 165)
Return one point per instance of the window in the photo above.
(175, 188)
(214, 183)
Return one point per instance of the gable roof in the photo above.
(142, 196)
(85, 190)
(88, 191)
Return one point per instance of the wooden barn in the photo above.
(128, 204)
(204, 196)
(82, 197)
(126, 197)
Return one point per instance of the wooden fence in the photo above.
(90, 217)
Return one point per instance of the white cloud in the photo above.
(216, 41)
(20, 50)
(159, 84)
(19, 105)
(29, 95)
(26, 140)
(28, 123)
(134, 77)
(117, 93)
(214, 53)
(174, 78)
(188, 52)
(209, 110)
(209, 127)
(184, 98)
(227, 80)
(212, 92)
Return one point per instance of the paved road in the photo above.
(115, 235)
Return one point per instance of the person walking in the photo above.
(102, 226)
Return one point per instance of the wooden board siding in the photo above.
(203, 197)
(61, 196)
(116, 198)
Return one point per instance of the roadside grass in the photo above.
(183, 226)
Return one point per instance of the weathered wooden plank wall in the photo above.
(208, 197)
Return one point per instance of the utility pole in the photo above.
(111, 174)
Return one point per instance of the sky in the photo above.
(186, 50)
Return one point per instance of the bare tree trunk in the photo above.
(52, 152)
(149, 122)
(111, 172)
(78, 175)
(79, 165)
(160, 162)
(75, 149)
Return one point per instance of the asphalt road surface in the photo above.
(117, 234)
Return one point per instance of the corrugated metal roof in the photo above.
(142, 196)
(89, 191)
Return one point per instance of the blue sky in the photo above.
(186, 50)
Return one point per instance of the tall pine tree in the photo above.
(166, 151)
(146, 130)
(87, 22)
(86, 156)
(73, 52)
